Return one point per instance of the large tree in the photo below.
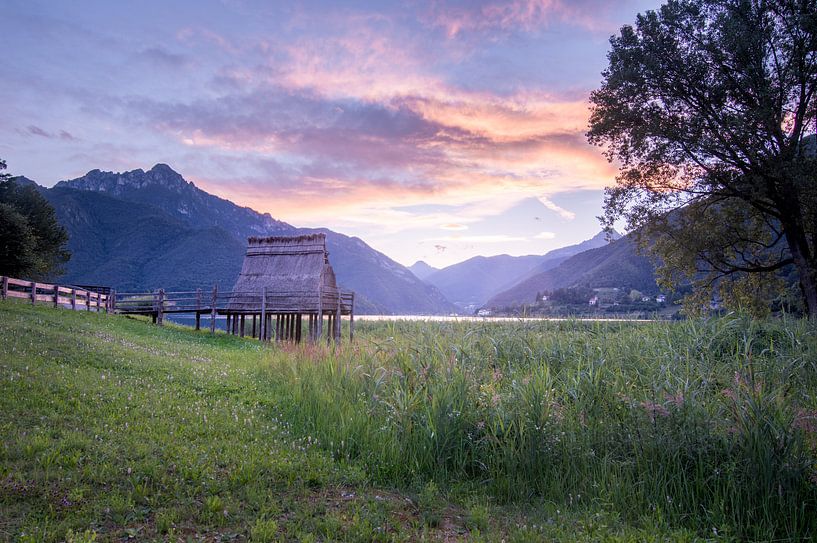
(708, 106)
(32, 242)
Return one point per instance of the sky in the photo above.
(432, 130)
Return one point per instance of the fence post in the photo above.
(56, 295)
(263, 334)
(213, 310)
(112, 300)
(5, 287)
(198, 309)
(73, 299)
(98, 302)
(160, 307)
(352, 318)
(87, 300)
(33, 292)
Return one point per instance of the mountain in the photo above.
(616, 264)
(422, 270)
(141, 230)
(471, 283)
(557, 256)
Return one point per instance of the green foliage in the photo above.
(33, 241)
(695, 424)
(517, 431)
(17, 243)
(709, 108)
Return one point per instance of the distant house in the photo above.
(594, 301)
(290, 277)
(545, 297)
(484, 313)
(661, 299)
(646, 299)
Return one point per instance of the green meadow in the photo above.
(113, 429)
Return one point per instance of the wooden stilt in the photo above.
(253, 325)
(352, 319)
(241, 325)
(198, 309)
(214, 302)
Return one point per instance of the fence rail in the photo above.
(67, 296)
(275, 315)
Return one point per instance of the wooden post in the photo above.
(213, 310)
(337, 320)
(33, 292)
(160, 307)
(263, 334)
(198, 309)
(56, 295)
(253, 326)
(5, 287)
(112, 300)
(352, 319)
(87, 300)
(98, 302)
(74, 299)
(241, 325)
(320, 311)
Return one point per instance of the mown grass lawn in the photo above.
(114, 429)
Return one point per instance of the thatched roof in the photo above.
(292, 268)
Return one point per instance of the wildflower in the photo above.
(654, 409)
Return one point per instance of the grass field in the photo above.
(114, 429)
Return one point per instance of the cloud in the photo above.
(453, 226)
(37, 131)
(491, 238)
(564, 213)
(545, 235)
(457, 18)
(34, 130)
(160, 56)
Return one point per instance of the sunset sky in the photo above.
(433, 131)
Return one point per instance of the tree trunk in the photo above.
(805, 263)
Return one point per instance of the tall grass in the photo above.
(709, 425)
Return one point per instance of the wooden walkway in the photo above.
(265, 316)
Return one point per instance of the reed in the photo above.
(707, 425)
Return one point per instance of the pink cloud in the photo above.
(457, 18)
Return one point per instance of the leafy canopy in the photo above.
(32, 242)
(708, 107)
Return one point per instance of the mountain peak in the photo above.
(117, 183)
(421, 269)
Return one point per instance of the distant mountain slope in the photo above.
(474, 281)
(422, 270)
(614, 265)
(133, 246)
(154, 229)
(165, 189)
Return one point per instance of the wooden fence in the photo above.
(67, 296)
(264, 315)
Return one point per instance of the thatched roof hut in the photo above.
(292, 269)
